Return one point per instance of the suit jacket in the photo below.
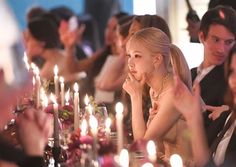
(213, 87)
(230, 155)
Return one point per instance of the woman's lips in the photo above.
(133, 72)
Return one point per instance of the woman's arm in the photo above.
(69, 40)
(135, 88)
(165, 118)
(75, 65)
(189, 105)
(113, 85)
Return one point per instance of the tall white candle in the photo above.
(119, 125)
(76, 106)
(56, 81)
(151, 149)
(56, 123)
(62, 91)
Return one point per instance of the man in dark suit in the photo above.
(217, 34)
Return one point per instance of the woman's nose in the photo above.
(130, 63)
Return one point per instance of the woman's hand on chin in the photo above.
(133, 86)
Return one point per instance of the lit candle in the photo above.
(83, 127)
(151, 149)
(124, 158)
(94, 125)
(107, 128)
(176, 161)
(76, 106)
(67, 97)
(44, 98)
(25, 58)
(94, 129)
(90, 109)
(56, 82)
(34, 90)
(32, 65)
(38, 85)
(62, 91)
(86, 100)
(56, 123)
(119, 125)
(148, 164)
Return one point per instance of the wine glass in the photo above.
(101, 114)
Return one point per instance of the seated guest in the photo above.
(217, 34)
(43, 40)
(65, 13)
(152, 59)
(223, 150)
(94, 63)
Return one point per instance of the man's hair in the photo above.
(220, 15)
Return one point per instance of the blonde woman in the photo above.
(152, 59)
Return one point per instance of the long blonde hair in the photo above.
(156, 41)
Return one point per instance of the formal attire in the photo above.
(224, 146)
(176, 139)
(213, 86)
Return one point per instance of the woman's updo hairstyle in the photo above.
(44, 28)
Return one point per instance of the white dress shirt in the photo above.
(202, 72)
(219, 155)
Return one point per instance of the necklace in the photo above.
(155, 95)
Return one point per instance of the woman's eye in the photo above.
(137, 56)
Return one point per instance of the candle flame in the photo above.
(67, 96)
(93, 122)
(61, 79)
(56, 70)
(176, 161)
(53, 98)
(148, 164)
(84, 127)
(86, 100)
(25, 58)
(119, 108)
(32, 65)
(124, 158)
(36, 70)
(108, 123)
(76, 87)
(151, 149)
(33, 80)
